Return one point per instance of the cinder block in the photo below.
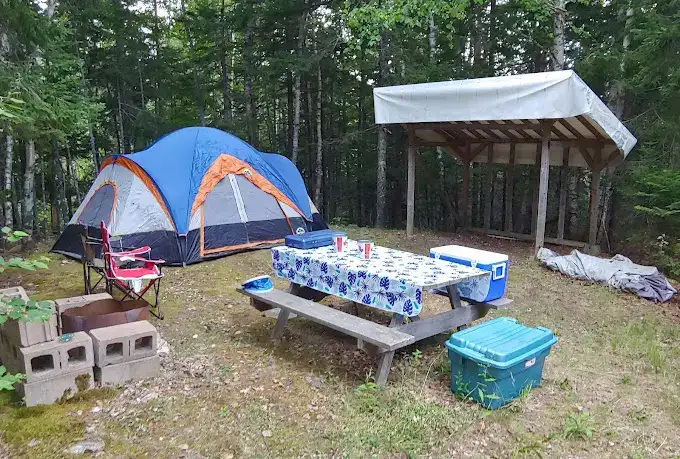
(75, 302)
(77, 354)
(48, 360)
(14, 292)
(9, 354)
(123, 343)
(26, 334)
(50, 391)
(120, 373)
(39, 362)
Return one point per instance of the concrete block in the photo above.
(75, 302)
(26, 334)
(77, 354)
(123, 343)
(47, 360)
(14, 292)
(9, 354)
(120, 373)
(54, 389)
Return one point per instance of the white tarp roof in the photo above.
(562, 96)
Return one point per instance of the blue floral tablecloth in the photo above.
(391, 280)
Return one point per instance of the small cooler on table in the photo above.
(480, 289)
(492, 363)
(312, 239)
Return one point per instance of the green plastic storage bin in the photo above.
(493, 362)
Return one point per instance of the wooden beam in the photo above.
(410, 189)
(544, 174)
(588, 125)
(488, 195)
(570, 127)
(564, 182)
(474, 153)
(587, 157)
(466, 190)
(594, 206)
(500, 126)
(509, 187)
(534, 202)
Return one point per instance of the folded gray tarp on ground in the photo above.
(618, 272)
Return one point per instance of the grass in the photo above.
(228, 392)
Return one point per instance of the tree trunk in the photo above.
(557, 55)
(43, 201)
(491, 57)
(224, 67)
(251, 116)
(73, 178)
(296, 87)
(319, 144)
(29, 187)
(60, 185)
(9, 221)
(382, 139)
(119, 114)
(198, 93)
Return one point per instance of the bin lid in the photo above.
(468, 253)
(501, 343)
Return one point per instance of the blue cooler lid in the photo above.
(501, 343)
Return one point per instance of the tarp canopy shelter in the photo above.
(194, 194)
(544, 119)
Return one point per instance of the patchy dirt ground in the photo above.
(611, 385)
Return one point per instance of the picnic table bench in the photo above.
(379, 282)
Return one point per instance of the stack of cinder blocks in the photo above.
(54, 367)
(59, 366)
(125, 352)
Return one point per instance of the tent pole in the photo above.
(411, 183)
(489, 188)
(564, 179)
(543, 186)
(509, 188)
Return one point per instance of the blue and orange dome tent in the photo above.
(194, 194)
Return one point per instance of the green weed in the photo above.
(578, 426)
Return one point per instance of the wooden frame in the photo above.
(467, 139)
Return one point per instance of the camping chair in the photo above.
(91, 262)
(127, 270)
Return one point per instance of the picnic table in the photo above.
(391, 280)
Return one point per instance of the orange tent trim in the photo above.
(143, 176)
(226, 164)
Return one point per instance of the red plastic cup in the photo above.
(339, 242)
(365, 249)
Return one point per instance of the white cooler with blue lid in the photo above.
(481, 289)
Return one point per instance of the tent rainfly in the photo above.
(543, 119)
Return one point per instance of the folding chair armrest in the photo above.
(133, 258)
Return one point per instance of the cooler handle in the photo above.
(498, 271)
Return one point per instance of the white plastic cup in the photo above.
(339, 242)
(365, 249)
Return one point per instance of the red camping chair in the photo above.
(129, 279)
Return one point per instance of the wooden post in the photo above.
(465, 206)
(534, 204)
(594, 201)
(509, 188)
(543, 187)
(411, 184)
(489, 188)
(564, 184)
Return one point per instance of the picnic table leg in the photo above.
(280, 324)
(454, 299)
(384, 365)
